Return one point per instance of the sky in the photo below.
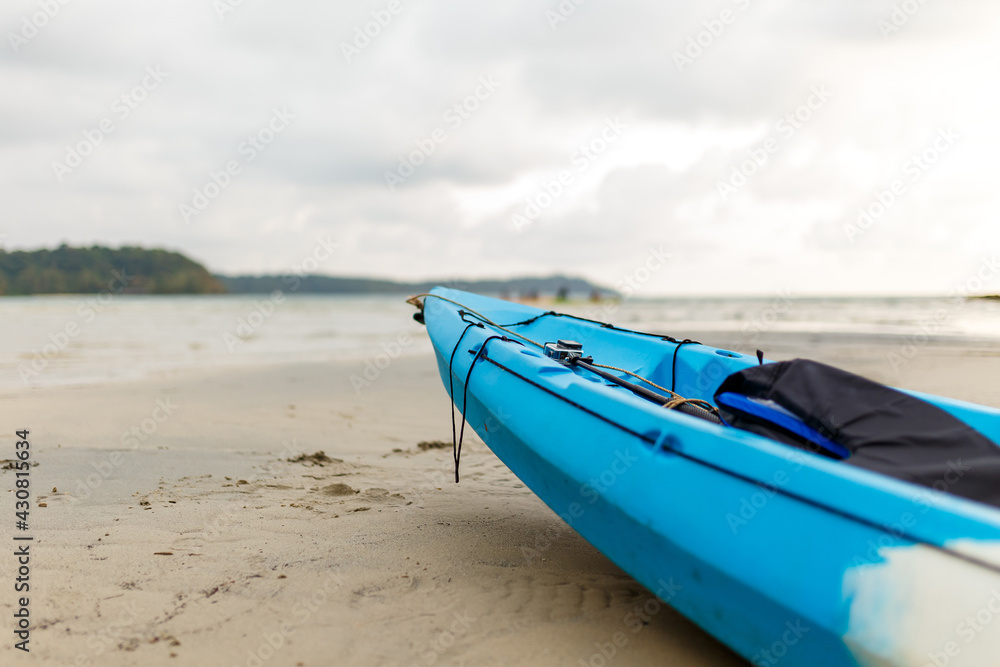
(723, 147)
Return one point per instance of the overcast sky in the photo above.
(504, 138)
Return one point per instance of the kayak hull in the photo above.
(780, 554)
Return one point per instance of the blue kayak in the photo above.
(787, 556)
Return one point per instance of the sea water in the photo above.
(59, 340)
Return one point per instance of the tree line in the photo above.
(67, 270)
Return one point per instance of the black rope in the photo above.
(531, 320)
(451, 392)
(673, 365)
(732, 473)
(688, 408)
(608, 325)
(465, 395)
(604, 325)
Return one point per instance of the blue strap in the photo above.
(776, 414)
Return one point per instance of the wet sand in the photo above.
(180, 533)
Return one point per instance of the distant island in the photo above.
(134, 270)
(127, 270)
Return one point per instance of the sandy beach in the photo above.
(237, 446)
(186, 519)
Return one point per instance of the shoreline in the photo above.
(66, 341)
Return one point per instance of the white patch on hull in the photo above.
(921, 607)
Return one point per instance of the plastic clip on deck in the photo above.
(570, 353)
(566, 352)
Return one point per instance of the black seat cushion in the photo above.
(884, 429)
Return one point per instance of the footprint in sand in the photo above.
(377, 495)
(338, 489)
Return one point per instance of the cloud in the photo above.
(370, 88)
